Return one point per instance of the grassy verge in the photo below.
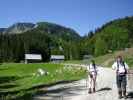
(17, 80)
(108, 59)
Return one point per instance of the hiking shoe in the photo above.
(124, 95)
(120, 94)
(89, 91)
(94, 90)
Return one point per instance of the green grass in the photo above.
(108, 59)
(73, 61)
(19, 77)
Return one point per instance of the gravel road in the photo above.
(105, 90)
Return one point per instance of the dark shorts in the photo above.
(93, 74)
(121, 81)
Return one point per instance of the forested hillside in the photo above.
(114, 35)
(51, 39)
(45, 38)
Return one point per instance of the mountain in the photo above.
(58, 31)
(19, 28)
(41, 38)
(63, 40)
(2, 30)
(51, 29)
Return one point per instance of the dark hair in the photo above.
(93, 63)
(121, 59)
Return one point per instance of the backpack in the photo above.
(94, 66)
(123, 66)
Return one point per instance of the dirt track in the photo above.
(106, 89)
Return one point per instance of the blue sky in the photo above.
(81, 15)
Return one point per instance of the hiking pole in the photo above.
(86, 79)
(86, 82)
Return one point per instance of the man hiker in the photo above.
(121, 76)
(92, 68)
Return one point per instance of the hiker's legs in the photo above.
(120, 93)
(94, 83)
(119, 84)
(124, 84)
(90, 84)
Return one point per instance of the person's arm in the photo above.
(127, 68)
(114, 66)
(87, 68)
(97, 69)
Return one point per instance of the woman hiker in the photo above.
(121, 76)
(92, 68)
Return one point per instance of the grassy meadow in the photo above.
(17, 80)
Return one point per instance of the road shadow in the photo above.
(52, 91)
(104, 89)
(130, 95)
(65, 91)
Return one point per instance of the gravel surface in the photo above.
(105, 90)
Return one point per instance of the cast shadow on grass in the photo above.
(8, 79)
(8, 82)
(7, 86)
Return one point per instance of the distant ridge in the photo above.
(19, 28)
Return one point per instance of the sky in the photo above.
(81, 15)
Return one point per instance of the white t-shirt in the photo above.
(121, 69)
(92, 69)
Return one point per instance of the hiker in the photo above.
(121, 76)
(92, 76)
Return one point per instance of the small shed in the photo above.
(57, 58)
(87, 57)
(30, 58)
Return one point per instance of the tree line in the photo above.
(50, 39)
(114, 35)
(38, 41)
